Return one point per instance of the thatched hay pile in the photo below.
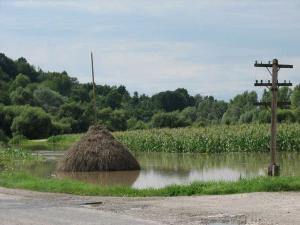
(98, 150)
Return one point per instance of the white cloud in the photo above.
(206, 46)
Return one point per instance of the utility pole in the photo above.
(94, 89)
(273, 169)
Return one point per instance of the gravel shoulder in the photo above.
(28, 207)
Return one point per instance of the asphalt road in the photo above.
(27, 207)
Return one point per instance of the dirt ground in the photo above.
(28, 207)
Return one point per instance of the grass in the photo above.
(58, 142)
(259, 184)
(213, 139)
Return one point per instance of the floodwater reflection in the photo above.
(162, 169)
(103, 178)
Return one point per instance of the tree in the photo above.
(238, 105)
(189, 114)
(118, 120)
(113, 99)
(284, 95)
(20, 81)
(3, 137)
(173, 100)
(171, 119)
(264, 116)
(4, 93)
(24, 67)
(209, 108)
(295, 98)
(285, 115)
(48, 99)
(21, 96)
(32, 123)
(248, 117)
(134, 124)
(77, 117)
(7, 115)
(123, 92)
(80, 92)
(59, 82)
(3, 76)
(8, 66)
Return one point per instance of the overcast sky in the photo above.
(205, 46)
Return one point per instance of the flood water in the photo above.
(162, 169)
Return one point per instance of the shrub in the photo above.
(134, 124)
(17, 139)
(3, 137)
(32, 123)
(172, 120)
(286, 115)
(61, 128)
(264, 116)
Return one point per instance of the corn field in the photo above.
(214, 139)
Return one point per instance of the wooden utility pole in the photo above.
(273, 169)
(94, 89)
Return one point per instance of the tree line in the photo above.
(35, 104)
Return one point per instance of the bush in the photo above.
(286, 115)
(61, 128)
(297, 114)
(134, 124)
(3, 137)
(172, 120)
(263, 116)
(33, 123)
(17, 140)
(118, 120)
(21, 96)
(48, 99)
(247, 117)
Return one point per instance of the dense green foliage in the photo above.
(259, 184)
(36, 104)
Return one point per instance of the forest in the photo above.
(37, 104)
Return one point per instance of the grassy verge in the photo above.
(213, 139)
(260, 184)
(59, 142)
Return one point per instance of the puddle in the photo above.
(162, 169)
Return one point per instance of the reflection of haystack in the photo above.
(97, 150)
(103, 177)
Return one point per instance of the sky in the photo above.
(206, 46)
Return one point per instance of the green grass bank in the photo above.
(212, 139)
(259, 184)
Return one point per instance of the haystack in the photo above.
(98, 150)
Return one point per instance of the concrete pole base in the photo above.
(273, 170)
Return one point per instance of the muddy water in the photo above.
(162, 169)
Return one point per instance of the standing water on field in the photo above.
(162, 169)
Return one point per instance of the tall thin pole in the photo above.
(273, 169)
(274, 112)
(94, 88)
